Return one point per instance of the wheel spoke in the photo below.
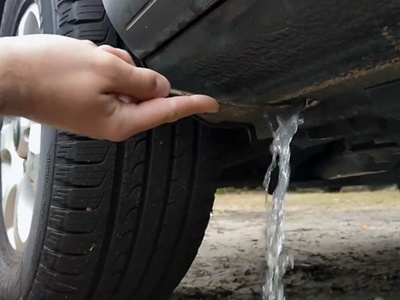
(21, 139)
(23, 212)
(32, 161)
(8, 205)
(10, 235)
(6, 173)
(35, 137)
(30, 21)
(20, 153)
(11, 171)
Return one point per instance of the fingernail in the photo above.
(209, 105)
(215, 108)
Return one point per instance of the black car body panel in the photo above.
(335, 62)
(2, 2)
(265, 51)
(145, 25)
(270, 51)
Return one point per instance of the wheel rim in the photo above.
(19, 150)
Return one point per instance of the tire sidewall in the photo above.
(16, 282)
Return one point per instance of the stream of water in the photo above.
(278, 259)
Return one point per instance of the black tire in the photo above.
(111, 220)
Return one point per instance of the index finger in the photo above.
(140, 83)
(136, 118)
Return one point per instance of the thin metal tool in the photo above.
(175, 92)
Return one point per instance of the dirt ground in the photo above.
(345, 245)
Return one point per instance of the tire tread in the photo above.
(122, 215)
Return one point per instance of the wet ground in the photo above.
(346, 246)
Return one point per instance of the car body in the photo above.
(336, 62)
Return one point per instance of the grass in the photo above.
(255, 200)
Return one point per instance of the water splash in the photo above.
(277, 258)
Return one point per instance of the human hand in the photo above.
(77, 86)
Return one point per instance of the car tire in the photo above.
(110, 220)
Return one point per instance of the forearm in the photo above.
(6, 75)
(10, 89)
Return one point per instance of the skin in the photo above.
(93, 91)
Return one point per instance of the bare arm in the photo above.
(77, 86)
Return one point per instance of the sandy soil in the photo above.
(346, 246)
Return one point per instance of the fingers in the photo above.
(132, 118)
(126, 79)
(122, 54)
(164, 110)
(140, 83)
